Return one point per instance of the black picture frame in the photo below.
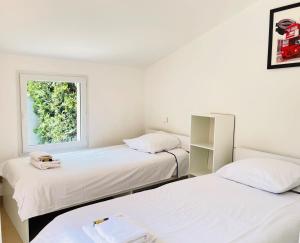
(271, 32)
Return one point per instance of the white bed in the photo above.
(88, 175)
(203, 209)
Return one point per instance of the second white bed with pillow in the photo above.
(203, 209)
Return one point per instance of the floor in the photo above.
(9, 233)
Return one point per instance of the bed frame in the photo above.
(28, 229)
(245, 153)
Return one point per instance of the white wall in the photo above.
(115, 99)
(225, 71)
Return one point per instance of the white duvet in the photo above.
(205, 209)
(87, 175)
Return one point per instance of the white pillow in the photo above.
(153, 142)
(271, 175)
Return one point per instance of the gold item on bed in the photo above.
(100, 221)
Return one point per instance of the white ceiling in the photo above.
(129, 32)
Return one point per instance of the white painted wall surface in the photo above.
(115, 99)
(225, 71)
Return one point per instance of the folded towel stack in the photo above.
(41, 156)
(118, 229)
(43, 161)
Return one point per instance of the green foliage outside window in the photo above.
(55, 105)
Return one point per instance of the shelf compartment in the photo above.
(200, 161)
(202, 130)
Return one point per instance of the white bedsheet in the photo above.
(87, 175)
(205, 209)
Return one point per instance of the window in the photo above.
(53, 112)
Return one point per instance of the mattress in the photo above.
(202, 209)
(87, 175)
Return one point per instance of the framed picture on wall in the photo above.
(284, 37)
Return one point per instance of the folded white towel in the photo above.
(91, 232)
(40, 156)
(121, 229)
(45, 165)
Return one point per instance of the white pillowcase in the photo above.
(153, 142)
(271, 175)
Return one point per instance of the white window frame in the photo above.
(55, 147)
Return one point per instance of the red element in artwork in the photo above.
(292, 31)
(290, 51)
(289, 46)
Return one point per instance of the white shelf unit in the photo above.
(211, 142)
